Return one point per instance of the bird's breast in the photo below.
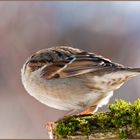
(63, 94)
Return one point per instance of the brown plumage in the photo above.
(71, 79)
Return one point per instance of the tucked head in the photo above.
(48, 56)
(38, 60)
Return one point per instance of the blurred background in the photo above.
(111, 29)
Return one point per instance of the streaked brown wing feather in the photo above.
(76, 65)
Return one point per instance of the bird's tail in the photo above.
(137, 70)
(131, 71)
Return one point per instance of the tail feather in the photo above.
(124, 74)
(133, 69)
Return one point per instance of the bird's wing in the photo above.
(76, 64)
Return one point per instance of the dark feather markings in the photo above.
(76, 65)
(62, 62)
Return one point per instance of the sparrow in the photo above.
(72, 79)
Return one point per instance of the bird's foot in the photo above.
(86, 112)
(49, 127)
(89, 110)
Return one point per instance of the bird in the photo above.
(72, 79)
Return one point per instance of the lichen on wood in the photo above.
(121, 121)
